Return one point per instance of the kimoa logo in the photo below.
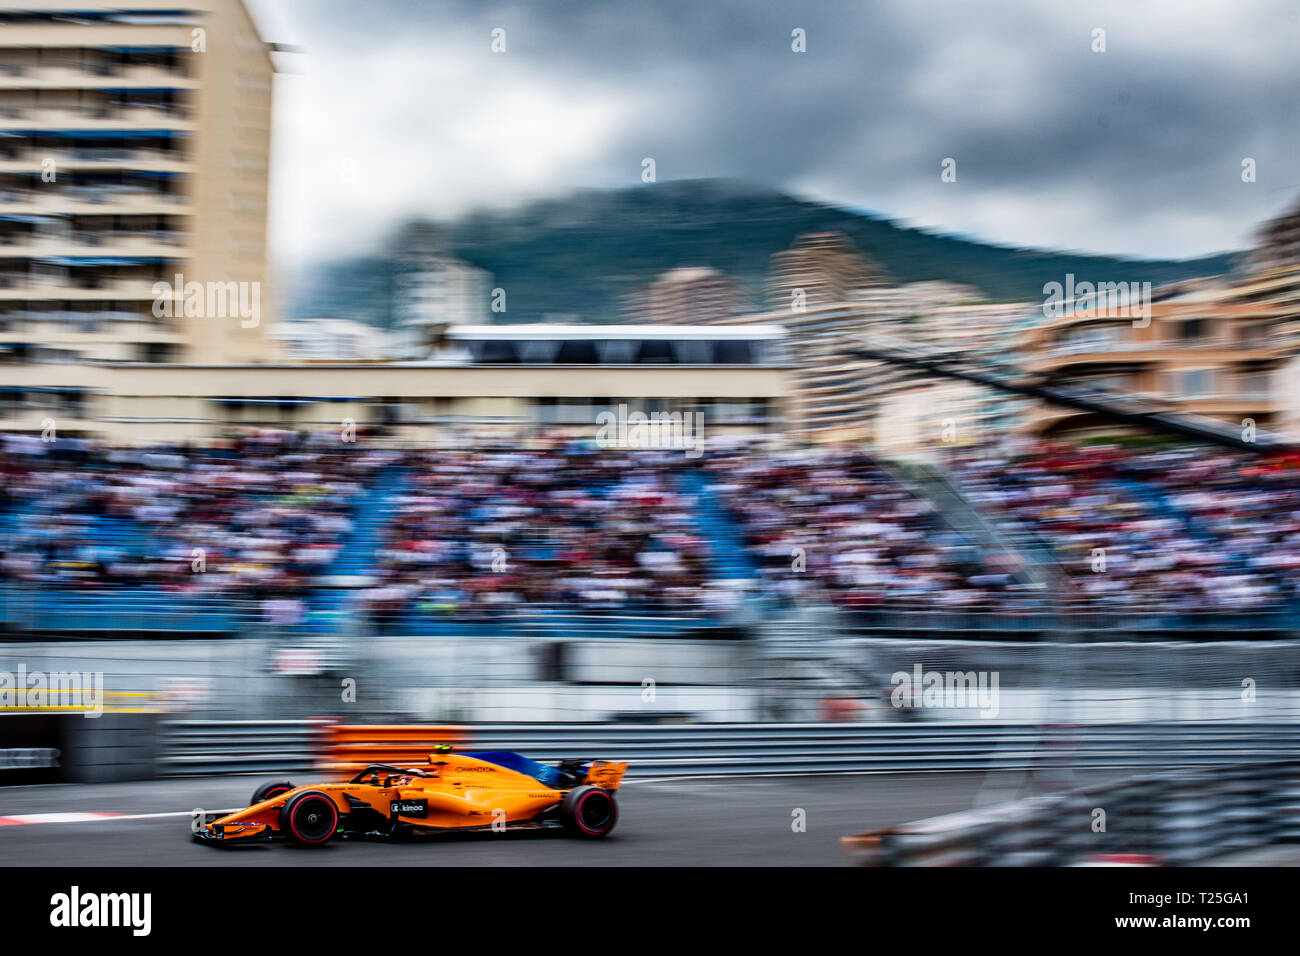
(77, 909)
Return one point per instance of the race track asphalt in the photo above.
(690, 822)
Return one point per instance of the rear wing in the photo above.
(605, 774)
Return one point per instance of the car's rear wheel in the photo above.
(268, 790)
(309, 819)
(589, 811)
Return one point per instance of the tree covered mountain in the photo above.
(576, 256)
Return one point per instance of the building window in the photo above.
(1194, 382)
(1253, 384)
(564, 411)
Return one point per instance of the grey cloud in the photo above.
(884, 92)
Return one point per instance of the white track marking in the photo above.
(24, 819)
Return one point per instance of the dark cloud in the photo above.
(1135, 150)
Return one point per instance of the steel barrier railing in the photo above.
(239, 746)
(152, 611)
(36, 609)
(1177, 818)
(198, 746)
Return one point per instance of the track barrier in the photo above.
(1177, 818)
(206, 747)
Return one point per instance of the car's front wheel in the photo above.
(309, 819)
(589, 811)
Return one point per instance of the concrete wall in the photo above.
(110, 747)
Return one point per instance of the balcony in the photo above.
(20, 287)
(1228, 403)
(92, 329)
(91, 201)
(23, 76)
(96, 118)
(159, 160)
(1223, 350)
(154, 245)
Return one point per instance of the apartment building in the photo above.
(435, 291)
(1214, 349)
(820, 268)
(1278, 245)
(686, 296)
(134, 146)
(919, 420)
(837, 396)
(325, 340)
(920, 416)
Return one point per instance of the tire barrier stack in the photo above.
(1178, 818)
(665, 750)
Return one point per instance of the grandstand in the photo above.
(303, 535)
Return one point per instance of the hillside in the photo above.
(577, 255)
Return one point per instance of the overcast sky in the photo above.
(399, 107)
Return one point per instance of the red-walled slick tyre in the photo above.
(589, 812)
(309, 819)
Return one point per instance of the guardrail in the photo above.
(1175, 819)
(34, 611)
(1078, 619)
(196, 746)
(31, 611)
(240, 746)
(110, 612)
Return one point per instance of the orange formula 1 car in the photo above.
(473, 791)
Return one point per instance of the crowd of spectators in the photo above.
(835, 525)
(492, 531)
(1176, 529)
(260, 515)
